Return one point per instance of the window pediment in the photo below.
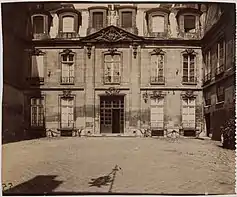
(191, 11)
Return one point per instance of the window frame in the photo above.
(220, 98)
(156, 104)
(73, 98)
(71, 79)
(104, 54)
(189, 53)
(221, 62)
(189, 106)
(42, 106)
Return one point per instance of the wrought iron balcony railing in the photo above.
(112, 79)
(67, 80)
(36, 80)
(157, 80)
(189, 80)
(220, 70)
(67, 35)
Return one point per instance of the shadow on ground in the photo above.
(41, 184)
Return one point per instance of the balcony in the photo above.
(67, 80)
(189, 80)
(112, 79)
(219, 70)
(157, 80)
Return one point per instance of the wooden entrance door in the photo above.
(111, 114)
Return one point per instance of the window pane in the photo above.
(158, 23)
(108, 58)
(38, 24)
(126, 19)
(97, 22)
(189, 23)
(68, 24)
(37, 69)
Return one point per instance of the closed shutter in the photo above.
(157, 113)
(67, 113)
(188, 113)
(154, 69)
(68, 24)
(158, 24)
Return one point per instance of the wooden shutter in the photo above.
(68, 24)
(158, 23)
(188, 113)
(37, 67)
(154, 66)
(185, 68)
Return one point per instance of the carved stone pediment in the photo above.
(157, 94)
(112, 91)
(67, 94)
(188, 95)
(111, 34)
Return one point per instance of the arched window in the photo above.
(38, 24)
(158, 23)
(68, 24)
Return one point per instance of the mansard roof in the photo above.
(112, 34)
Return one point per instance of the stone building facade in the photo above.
(219, 67)
(115, 69)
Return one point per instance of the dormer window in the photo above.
(189, 23)
(97, 19)
(38, 24)
(69, 22)
(127, 18)
(157, 22)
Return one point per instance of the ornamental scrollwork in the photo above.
(112, 91)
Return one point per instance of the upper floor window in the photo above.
(157, 66)
(220, 93)
(189, 67)
(67, 71)
(68, 24)
(97, 18)
(97, 21)
(38, 24)
(37, 67)
(189, 24)
(112, 68)
(126, 19)
(157, 21)
(37, 112)
(207, 69)
(221, 53)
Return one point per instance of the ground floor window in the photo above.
(67, 112)
(157, 113)
(188, 113)
(37, 112)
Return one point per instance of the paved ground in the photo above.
(148, 165)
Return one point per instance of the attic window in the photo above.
(97, 21)
(38, 24)
(189, 23)
(126, 19)
(158, 23)
(68, 24)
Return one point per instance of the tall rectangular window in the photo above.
(157, 113)
(112, 68)
(97, 21)
(158, 23)
(37, 67)
(67, 112)
(221, 54)
(126, 19)
(220, 93)
(37, 112)
(189, 68)
(157, 68)
(188, 113)
(67, 69)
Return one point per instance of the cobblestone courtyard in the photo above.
(148, 165)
